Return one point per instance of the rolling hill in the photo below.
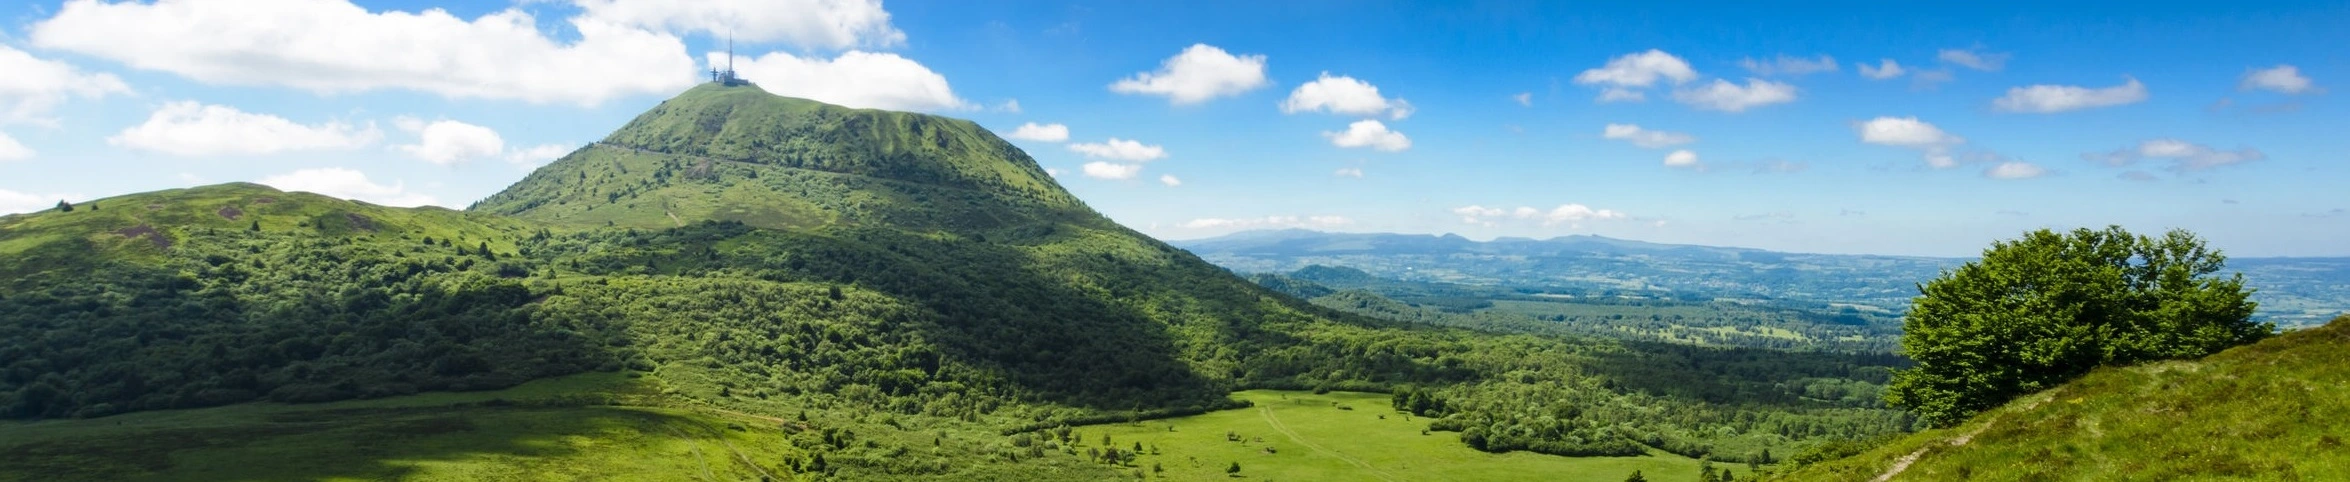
(2273, 410)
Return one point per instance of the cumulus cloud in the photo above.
(2048, 99)
(1119, 149)
(12, 202)
(196, 130)
(1369, 133)
(34, 87)
(1111, 170)
(1268, 222)
(1041, 132)
(11, 150)
(333, 46)
(447, 142)
(826, 24)
(1639, 69)
(1353, 172)
(1645, 138)
(1909, 132)
(1199, 73)
(1052, 171)
(1885, 69)
(855, 79)
(1681, 158)
(347, 184)
(1970, 58)
(2184, 156)
(2284, 79)
(1344, 95)
(1570, 213)
(1525, 99)
(1170, 180)
(1724, 96)
(1788, 65)
(2014, 170)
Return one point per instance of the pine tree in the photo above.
(64, 207)
(1234, 469)
(1636, 477)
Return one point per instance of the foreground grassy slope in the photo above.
(2274, 410)
(1295, 435)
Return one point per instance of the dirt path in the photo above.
(1301, 440)
(1903, 463)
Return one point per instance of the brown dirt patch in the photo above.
(231, 212)
(361, 222)
(152, 235)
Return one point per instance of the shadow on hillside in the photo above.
(1051, 329)
(311, 443)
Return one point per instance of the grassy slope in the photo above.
(49, 239)
(1314, 440)
(2274, 410)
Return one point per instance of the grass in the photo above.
(1311, 438)
(536, 431)
(2274, 410)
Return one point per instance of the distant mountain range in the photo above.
(2292, 291)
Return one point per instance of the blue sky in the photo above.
(1707, 123)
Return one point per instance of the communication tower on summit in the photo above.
(726, 76)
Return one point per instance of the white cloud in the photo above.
(193, 129)
(1353, 172)
(1369, 133)
(33, 87)
(2184, 156)
(1563, 214)
(1644, 137)
(447, 142)
(1199, 73)
(347, 184)
(12, 202)
(1041, 132)
(1524, 99)
(2046, 99)
(1012, 106)
(1724, 96)
(10, 150)
(1052, 171)
(333, 46)
(1972, 59)
(1111, 170)
(858, 79)
(1640, 69)
(534, 157)
(1788, 65)
(1344, 95)
(1909, 132)
(1268, 222)
(823, 24)
(2014, 170)
(1170, 180)
(2282, 79)
(1119, 149)
(1681, 158)
(1885, 69)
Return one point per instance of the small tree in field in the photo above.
(1234, 469)
(1636, 477)
(2039, 311)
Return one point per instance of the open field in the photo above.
(1311, 438)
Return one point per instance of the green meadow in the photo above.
(1301, 436)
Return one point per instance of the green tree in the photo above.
(1234, 469)
(64, 207)
(1636, 477)
(2039, 311)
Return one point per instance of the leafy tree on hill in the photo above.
(2039, 311)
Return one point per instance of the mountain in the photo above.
(2292, 291)
(819, 290)
(2274, 410)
